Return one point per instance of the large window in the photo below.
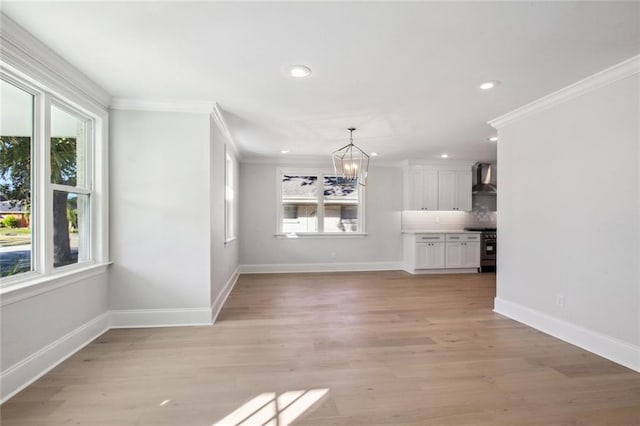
(317, 202)
(46, 182)
(230, 196)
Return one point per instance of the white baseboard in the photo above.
(224, 294)
(320, 267)
(145, 318)
(613, 349)
(30, 369)
(442, 271)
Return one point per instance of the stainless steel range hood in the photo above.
(484, 185)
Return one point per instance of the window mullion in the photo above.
(320, 209)
(91, 237)
(37, 213)
(45, 195)
(362, 220)
(279, 201)
(67, 188)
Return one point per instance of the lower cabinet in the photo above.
(463, 255)
(429, 255)
(425, 252)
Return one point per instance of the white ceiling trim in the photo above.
(603, 78)
(291, 160)
(218, 118)
(438, 164)
(287, 160)
(34, 60)
(196, 107)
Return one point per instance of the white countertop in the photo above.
(440, 231)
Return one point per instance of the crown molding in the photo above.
(196, 107)
(600, 79)
(440, 164)
(288, 160)
(26, 55)
(218, 117)
(323, 161)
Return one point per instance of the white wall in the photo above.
(160, 192)
(261, 251)
(224, 256)
(568, 197)
(41, 330)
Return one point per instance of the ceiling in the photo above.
(405, 74)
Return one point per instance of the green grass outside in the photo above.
(21, 236)
(14, 236)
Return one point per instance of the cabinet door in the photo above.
(416, 190)
(454, 255)
(422, 255)
(429, 255)
(423, 190)
(471, 254)
(430, 193)
(436, 257)
(446, 190)
(463, 184)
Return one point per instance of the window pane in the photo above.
(71, 228)
(16, 134)
(299, 203)
(300, 218)
(229, 198)
(68, 148)
(340, 205)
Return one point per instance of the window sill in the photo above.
(34, 286)
(320, 235)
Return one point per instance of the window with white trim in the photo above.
(230, 196)
(47, 171)
(319, 202)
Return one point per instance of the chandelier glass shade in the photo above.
(351, 163)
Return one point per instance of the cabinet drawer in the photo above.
(429, 238)
(462, 237)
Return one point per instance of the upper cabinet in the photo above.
(423, 194)
(454, 190)
(436, 187)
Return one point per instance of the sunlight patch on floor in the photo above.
(272, 409)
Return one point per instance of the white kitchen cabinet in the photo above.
(423, 189)
(442, 252)
(430, 256)
(424, 251)
(438, 187)
(462, 251)
(454, 190)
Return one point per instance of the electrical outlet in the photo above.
(333, 255)
(560, 300)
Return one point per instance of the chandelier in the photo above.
(350, 162)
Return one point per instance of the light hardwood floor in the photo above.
(388, 348)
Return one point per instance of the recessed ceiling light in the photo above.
(493, 139)
(489, 84)
(284, 151)
(374, 154)
(299, 71)
(444, 156)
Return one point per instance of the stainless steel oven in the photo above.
(488, 248)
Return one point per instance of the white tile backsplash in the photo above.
(483, 215)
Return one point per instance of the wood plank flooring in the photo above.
(388, 348)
